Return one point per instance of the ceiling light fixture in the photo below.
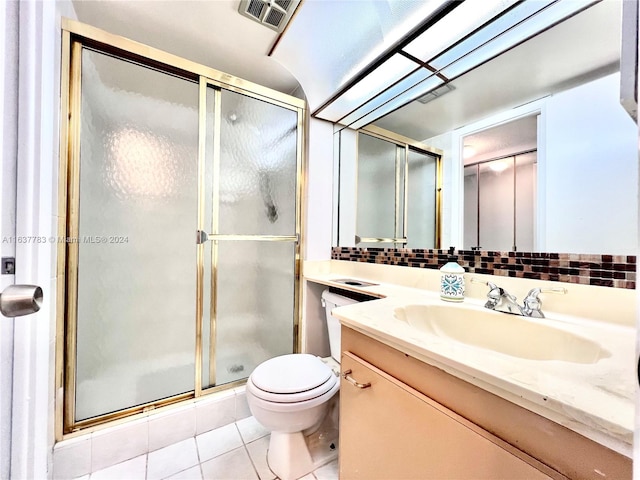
(456, 37)
(498, 166)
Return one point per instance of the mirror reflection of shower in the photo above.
(500, 187)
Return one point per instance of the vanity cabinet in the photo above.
(417, 421)
(389, 430)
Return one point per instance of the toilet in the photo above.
(290, 396)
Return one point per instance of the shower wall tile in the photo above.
(152, 433)
(172, 427)
(120, 443)
(618, 271)
(215, 412)
(72, 458)
(242, 407)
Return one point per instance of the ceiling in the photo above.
(212, 33)
(582, 48)
(506, 139)
(215, 34)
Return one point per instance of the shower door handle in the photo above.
(201, 237)
(19, 300)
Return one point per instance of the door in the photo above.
(132, 261)
(252, 211)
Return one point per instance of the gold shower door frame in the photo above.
(405, 144)
(75, 37)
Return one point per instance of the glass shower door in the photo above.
(380, 202)
(136, 275)
(254, 234)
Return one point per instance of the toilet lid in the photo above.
(293, 373)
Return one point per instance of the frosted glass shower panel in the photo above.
(378, 188)
(258, 167)
(136, 265)
(255, 300)
(421, 200)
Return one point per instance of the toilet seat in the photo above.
(291, 378)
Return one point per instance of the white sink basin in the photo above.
(508, 334)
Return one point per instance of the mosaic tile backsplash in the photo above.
(602, 270)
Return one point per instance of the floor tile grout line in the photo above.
(195, 439)
(252, 462)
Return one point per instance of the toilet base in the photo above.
(289, 457)
(294, 455)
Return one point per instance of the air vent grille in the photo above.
(437, 93)
(274, 17)
(255, 8)
(284, 4)
(274, 14)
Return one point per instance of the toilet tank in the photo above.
(333, 300)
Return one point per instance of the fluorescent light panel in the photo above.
(386, 74)
(411, 94)
(488, 33)
(551, 15)
(467, 17)
(523, 21)
(385, 96)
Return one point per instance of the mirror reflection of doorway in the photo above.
(500, 187)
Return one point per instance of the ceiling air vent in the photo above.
(437, 93)
(274, 14)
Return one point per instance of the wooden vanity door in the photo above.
(389, 430)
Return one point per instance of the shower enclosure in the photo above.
(179, 228)
(398, 193)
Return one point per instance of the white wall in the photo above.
(591, 171)
(587, 171)
(8, 146)
(32, 432)
(319, 193)
(347, 197)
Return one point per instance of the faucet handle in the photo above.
(533, 304)
(558, 290)
(534, 292)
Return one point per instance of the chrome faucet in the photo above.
(500, 300)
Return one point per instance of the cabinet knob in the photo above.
(353, 381)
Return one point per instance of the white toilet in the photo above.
(290, 395)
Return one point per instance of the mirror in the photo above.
(389, 190)
(579, 146)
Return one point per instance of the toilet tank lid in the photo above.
(292, 373)
(336, 299)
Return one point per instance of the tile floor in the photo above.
(237, 451)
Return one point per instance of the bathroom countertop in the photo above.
(595, 400)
